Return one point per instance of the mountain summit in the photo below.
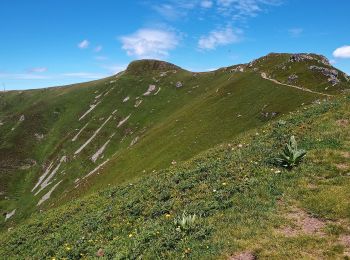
(149, 65)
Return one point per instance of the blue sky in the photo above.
(55, 42)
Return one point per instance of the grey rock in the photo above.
(292, 78)
(307, 57)
(330, 73)
(38, 136)
(179, 84)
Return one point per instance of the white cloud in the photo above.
(176, 9)
(84, 44)
(37, 70)
(98, 48)
(169, 11)
(236, 9)
(295, 32)
(240, 9)
(150, 43)
(229, 11)
(206, 4)
(219, 38)
(342, 52)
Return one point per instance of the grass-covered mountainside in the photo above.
(245, 205)
(133, 147)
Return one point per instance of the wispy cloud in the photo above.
(150, 43)
(234, 9)
(98, 48)
(206, 4)
(229, 11)
(169, 11)
(37, 70)
(175, 9)
(84, 44)
(295, 32)
(242, 9)
(219, 38)
(342, 52)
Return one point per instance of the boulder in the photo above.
(179, 84)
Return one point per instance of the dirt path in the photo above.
(264, 76)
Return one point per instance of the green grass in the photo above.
(174, 125)
(177, 124)
(278, 66)
(240, 196)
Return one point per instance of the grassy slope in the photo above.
(279, 67)
(205, 122)
(243, 201)
(176, 124)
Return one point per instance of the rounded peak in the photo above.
(149, 65)
(294, 57)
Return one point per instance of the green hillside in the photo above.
(62, 143)
(305, 70)
(245, 206)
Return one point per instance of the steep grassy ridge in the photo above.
(245, 205)
(50, 135)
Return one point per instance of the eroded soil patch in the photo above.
(303, 223)
(246, 255)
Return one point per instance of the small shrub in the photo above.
(186, 221)
(291, 155)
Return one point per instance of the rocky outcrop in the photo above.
(331, 74)
(39, 137)
(179, 84)
(10, 214)
(292, 78)
(300, 57)
(239, 68)
(150, 89)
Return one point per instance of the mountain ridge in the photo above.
(149, 117)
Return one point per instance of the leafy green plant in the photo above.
(186, 221)
(291, 155)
